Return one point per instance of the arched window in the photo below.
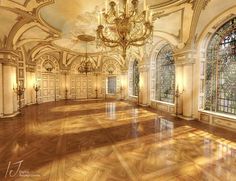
(111, 85)
(220, 80)
(165, 75)
(135, 78)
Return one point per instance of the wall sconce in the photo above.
(36, 88)
(19, 90)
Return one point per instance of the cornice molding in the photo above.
(9, 57)
(31, 68)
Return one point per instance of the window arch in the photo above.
(165, 75)
(135, 78)
(220, 78)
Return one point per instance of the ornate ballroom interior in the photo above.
(118, 90)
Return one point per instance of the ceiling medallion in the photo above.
(86, 66)
(124, 28)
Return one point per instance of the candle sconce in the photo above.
(19, 90)
(177, 95)
(66, 94)
(36, 88)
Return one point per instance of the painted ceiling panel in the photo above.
(34, 32)
(80, 17)
(8, 19)
(170, 24)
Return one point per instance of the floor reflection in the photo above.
(113, 141)
(111, 110)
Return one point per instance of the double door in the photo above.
(49, 87)
(83, 87)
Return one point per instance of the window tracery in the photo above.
(135, 78)
(220, 78)
(165, 75)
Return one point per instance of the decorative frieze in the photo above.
(30, 69)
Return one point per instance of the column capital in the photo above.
(183, 57)
(30, 68)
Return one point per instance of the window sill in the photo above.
(219, 114)
(167, 103)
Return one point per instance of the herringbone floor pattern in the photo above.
(98, 141)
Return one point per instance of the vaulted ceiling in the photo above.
(51, 26)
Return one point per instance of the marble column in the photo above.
(143, 85)
(188, 90)
(124, 84)
(9, 79)
(30, 93)
(1, 91)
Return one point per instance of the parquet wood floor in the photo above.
(109, 140)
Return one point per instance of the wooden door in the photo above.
(83, 87)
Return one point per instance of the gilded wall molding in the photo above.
(185, 57)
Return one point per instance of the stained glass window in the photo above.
(165, 75)
(135, 78)
(220, 80)
(111, 85)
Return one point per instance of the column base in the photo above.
(10, 115)
(184, 117)
(143, 105)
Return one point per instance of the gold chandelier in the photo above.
(86, 66)
(124, 28)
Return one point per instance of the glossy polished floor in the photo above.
(99, 140)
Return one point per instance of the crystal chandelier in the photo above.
(124, 28)
(86, 66)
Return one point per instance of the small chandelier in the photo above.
(124, 28)
(86, 66)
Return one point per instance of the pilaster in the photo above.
(30, 81)
(124, 83)
(144, 84)
(8, 99)
(184, 61)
